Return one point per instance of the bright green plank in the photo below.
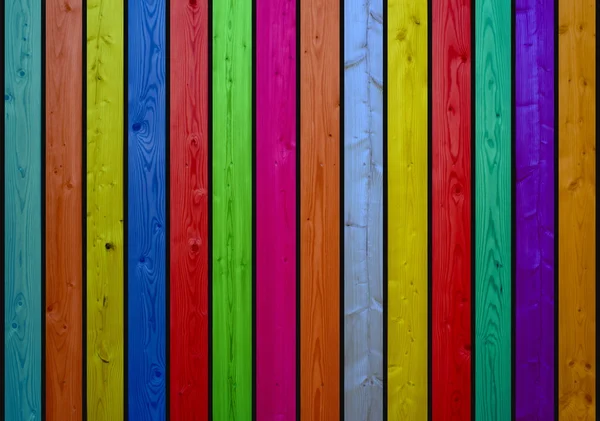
(232, 210)
(493, 210)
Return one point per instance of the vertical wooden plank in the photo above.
(407, 214)
(534, 209)
(232, 210)
(105, 321)
(493, 210)
(23, 209)
(320, 209)
(451, 210)
(577, 275)
(276, 209)
(189, 192)
(363, 209)
(146, 185)
(64, 218)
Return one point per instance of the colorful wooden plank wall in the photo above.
(239, 259)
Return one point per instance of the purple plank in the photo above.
(535, 210)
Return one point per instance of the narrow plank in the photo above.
(493, 210)
(534, 210)
(146, 185)
(232, 210)
(276, 209)
(64, 219)
(23, 211)
(105, 272)
(189, 192)
(407, 214)
(363, 210)
(451, 210)
(320, 209)
(577, 275)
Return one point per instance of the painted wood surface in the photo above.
(232, 210)
(577, 210)
(22, 180)
(407, 210)
(451, 210)
(363, 210)
(534, 210)
(64, 217)
(320, 210)
(146, 185)
(276, 210)
(493, 180)
(105, 247)
(189, 190)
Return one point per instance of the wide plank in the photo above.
(232, 210)
(534, 210)
(189, 192)
(493, 179)
(577, 393)
(451, 210)
(64, 217)
(407, 210)
(276, 218)
(23, 211)
(363, 210)
(105, 247)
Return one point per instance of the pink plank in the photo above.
(276, 209)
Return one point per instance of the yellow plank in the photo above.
(105, 210)
(577, 210)
(407, 210)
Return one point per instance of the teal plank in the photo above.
(23, 210)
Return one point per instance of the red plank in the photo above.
(451, 210)
(189, 210)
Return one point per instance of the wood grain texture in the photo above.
(64, 218)
(105, 273)
(189, 192)
(276, 210)
(363, 210)
(146, 185)
(493, 210)
(451, 210)
(23, 211)
(407, 213)
(232, 210)
(534, 210)
(577, 275)
(320, 210)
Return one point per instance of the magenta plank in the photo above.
(276, 209)
(535, 123)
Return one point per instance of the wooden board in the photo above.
(146, 184)
(407, 210)
(64, 217)
(23, 211)
(451, 210)
(320, 210)
(493, 210)
(276, 210)
(105, 273)
(189, 192)
(232, 210)
(363, 210)
(534, 210)
(577, 210)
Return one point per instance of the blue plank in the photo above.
(146, 210)
(23, 210)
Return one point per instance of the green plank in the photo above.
(232, 210)
(23, 209)
(493, 209)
